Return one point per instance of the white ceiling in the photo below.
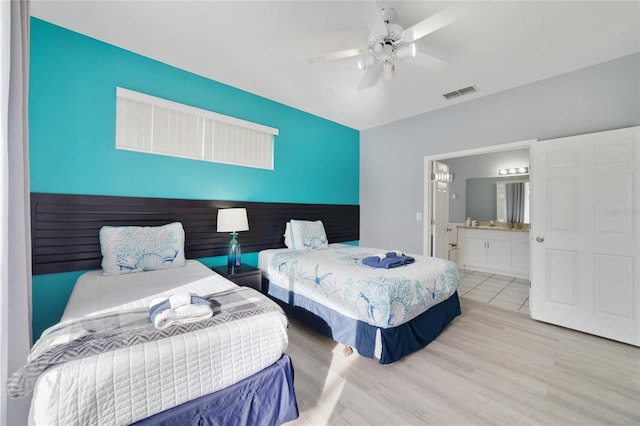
(263, 46)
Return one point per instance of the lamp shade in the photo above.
(232, 220)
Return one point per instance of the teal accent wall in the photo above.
(72, 104)
(49, 295)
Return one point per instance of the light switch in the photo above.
(418, 216)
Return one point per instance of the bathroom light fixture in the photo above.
(233, 221)
(514, 171)
(442, 177)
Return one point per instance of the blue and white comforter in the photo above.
(381, 297)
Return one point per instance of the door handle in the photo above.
(539, 239)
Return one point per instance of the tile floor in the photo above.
(505, 292)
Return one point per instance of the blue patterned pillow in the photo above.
(306, 235)
(128, 249)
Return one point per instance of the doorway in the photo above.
(431, 197)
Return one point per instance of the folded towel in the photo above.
(179, 308)
(175, 301)
(179, 299)
(407, 260)
(394, 253)
(380, 256)
(391, 260)
(386, 263)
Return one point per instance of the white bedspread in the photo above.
(129, 384)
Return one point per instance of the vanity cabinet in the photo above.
(495, 251)
(520, 253)
(475, 251)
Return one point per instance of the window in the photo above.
(148, 124)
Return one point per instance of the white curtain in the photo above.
(15, 250)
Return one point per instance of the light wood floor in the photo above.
(490, 366)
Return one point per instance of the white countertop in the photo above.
(494, 228)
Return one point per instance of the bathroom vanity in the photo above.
(495, 249)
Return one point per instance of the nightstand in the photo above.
(246, 275)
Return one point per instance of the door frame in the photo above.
(428, 195)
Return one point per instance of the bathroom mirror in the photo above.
(482, 202)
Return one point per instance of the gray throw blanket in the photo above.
(84, 337)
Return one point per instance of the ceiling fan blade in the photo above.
(371, 76)
(434, 22)
(373, 19)
(425, 61)
(341, 54)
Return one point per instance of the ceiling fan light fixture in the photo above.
(366, 62)
(388, 69)
(377, 47)
(388, 41)
(408, 51)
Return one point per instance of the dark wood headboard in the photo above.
(65, 228)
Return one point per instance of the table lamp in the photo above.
(233, 220)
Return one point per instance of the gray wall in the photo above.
(602, 97)
(476, 166)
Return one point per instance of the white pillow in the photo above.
(307, 235)
(128, 249)
(287, 236)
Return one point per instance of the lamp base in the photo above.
(234, 254)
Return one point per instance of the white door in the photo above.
(441, 229)
(585, 233)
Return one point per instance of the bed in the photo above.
(229, 369)
(383, 313)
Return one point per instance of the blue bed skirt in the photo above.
(267, 398)
(396, 342)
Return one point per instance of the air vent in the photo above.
(460, 92)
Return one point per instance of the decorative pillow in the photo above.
(307, 235)
(287, 236)
(127, 249)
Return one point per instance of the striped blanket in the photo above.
(88, 336)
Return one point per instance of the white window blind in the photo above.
(154, 125)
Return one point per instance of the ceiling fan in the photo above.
(389, 41)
